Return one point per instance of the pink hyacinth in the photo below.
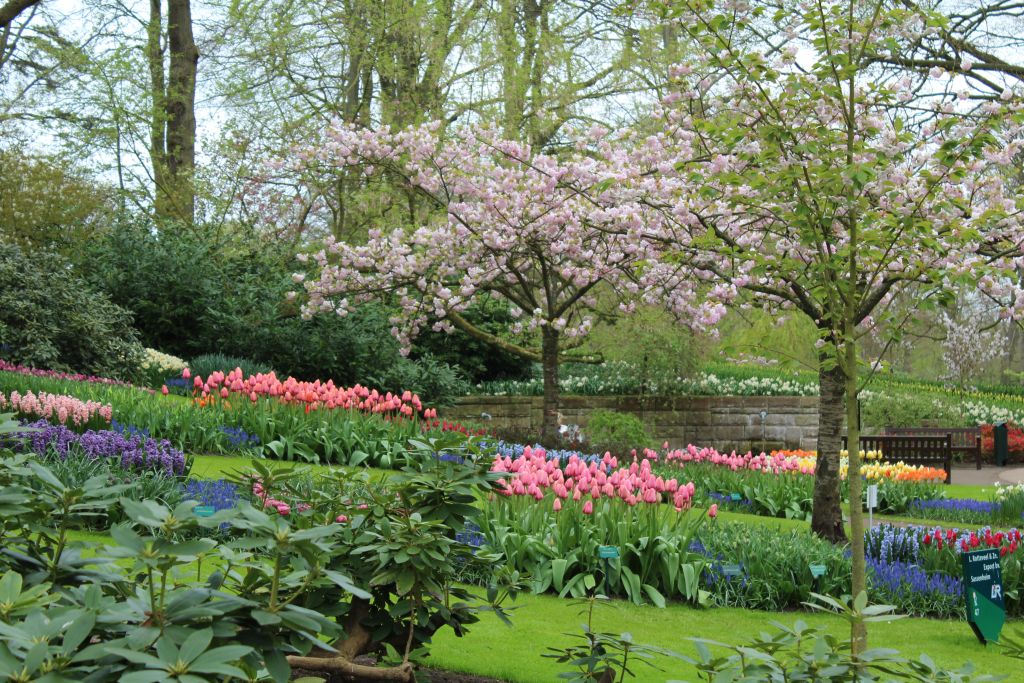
(56, 407)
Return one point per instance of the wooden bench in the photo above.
(931, 451)
(966, 440)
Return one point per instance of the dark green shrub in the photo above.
(477, 361)
(619, 433)
(436, 383)
(50, 319)
(192, 293)
(166, 279)
(209, 362)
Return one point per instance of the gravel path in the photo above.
(988, 475)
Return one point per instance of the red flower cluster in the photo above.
(446, 426)
(1014, 434)
(1006, 541)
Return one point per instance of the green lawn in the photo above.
(968, 491)
(220, 466)
(514, 654)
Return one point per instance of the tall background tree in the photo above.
(173, 63)
(798, 180)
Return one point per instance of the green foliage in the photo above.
(602, 657)
(75, 471)
(1009, 502)
(145, 610)
(787, 495)
(167, 280)
(787, 341)
(656, 345)
(608, 430)
(50, 319)
(477, 361)
(196, 290)
(760, 567)
(48, 202)
(805, 653)
(909, 410)
(210, 362)
(436, 382)
(559, 551)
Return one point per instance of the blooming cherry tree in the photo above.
(815, 193)
(967, 347)
(550, 235)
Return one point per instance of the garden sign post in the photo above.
(983, 589)
(607, 553)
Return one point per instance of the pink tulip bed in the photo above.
(228, 412)
(775, 485)
(551, 514)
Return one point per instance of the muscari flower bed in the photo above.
(132, 451)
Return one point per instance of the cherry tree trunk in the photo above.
(549, 361)
(827, 515)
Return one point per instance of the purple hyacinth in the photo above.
(128, 448)
(983, 507)
(902, 578)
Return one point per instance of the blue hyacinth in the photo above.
(239, 438)
(218, 494)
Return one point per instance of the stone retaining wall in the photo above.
(724, 422)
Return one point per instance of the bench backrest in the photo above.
(934, 451)
(964, 438)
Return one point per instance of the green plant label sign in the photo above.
(817, 570)
(983, 588)
(203, 510)
(607, 552)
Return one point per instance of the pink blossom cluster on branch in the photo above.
(546, 234)
(765, 190)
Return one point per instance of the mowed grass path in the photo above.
(514, 654)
